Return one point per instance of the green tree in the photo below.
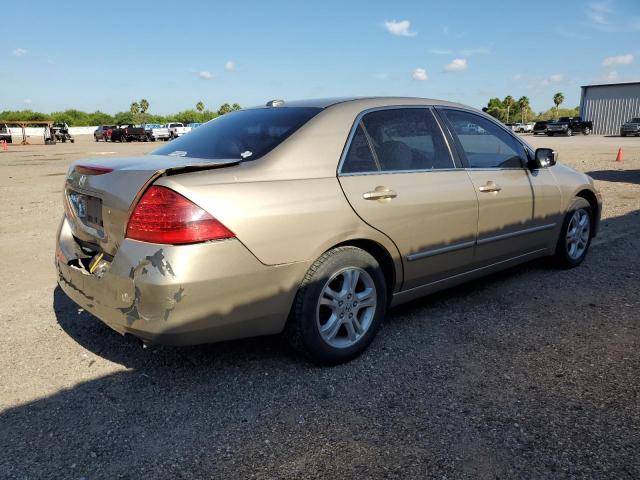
(495, 108)
(144, 105)
(236, 106)
(225, 108)
(558, 98)
(523, 104)
(200, 107)
(508, 104)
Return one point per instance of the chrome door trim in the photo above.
(504, 236)
(437, 251)
(472, 271)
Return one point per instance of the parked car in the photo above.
(632, 127)
(568, 126)
(177, 130)
(193, 125)
(523, 127)
(128, 133)
(540, 127)
(60, 133)
(155, 131)
(511, 126)
(103, 132)
(226, 233)
(5, 133)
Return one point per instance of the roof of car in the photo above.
(365, 102)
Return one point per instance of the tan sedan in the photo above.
(312, 218)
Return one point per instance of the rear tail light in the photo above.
(92, 170)
(164, 216)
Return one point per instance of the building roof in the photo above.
(610, 84)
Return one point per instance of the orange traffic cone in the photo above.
(620, 156)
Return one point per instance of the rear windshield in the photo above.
(245, 134)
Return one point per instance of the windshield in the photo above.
(245, 134)
(635, 120)
(565, 119)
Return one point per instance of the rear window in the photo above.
(245, 134)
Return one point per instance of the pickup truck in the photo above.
(155, 131)
(128, 133)
(523, 127)
(177, 130)
(632, 127)
(568, 126)
(5, 133)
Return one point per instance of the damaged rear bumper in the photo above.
(179, 295)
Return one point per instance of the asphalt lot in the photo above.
(530, 373)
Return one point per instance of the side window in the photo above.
(402, 139)
(359, 159)
(407, 139)
(484, 143)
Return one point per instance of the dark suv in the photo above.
(568, 126)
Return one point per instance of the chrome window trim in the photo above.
(357, 122)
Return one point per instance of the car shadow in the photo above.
(622, 176)
(479, 381)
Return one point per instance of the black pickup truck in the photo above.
(568, 126)
(128, 133)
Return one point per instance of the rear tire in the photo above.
(587, 131)
(339, 307)
(575, 235)
(569, 132)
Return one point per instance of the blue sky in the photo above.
(104, 55)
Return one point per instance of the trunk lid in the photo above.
(98, 205)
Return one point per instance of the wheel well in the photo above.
(590, 197)
(383, 258)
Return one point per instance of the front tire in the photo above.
(339, 307)
(575, 235)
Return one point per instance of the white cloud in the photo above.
(555, 78)
(475, 51)
(204, 75)
(401, 28)
(230, 66)
(420, 74)
(440, 51)
(456, 65)
(612, 76)
(618, 60)
(19, 52)
(599, 12)
(28, 101)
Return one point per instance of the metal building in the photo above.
(609, 105)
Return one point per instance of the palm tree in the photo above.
(558, 98)
(508, 103)
(523, 103)
(144, 106)
(200, 107)
(135, 108)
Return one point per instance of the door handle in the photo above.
(380, 193)
(490, 187)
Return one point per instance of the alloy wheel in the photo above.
(578, 233)
(346, 307)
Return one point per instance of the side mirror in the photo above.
(544, 157)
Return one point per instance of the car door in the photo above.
(399, 176)
(494, 160)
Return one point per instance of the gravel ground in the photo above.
(530, 373)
